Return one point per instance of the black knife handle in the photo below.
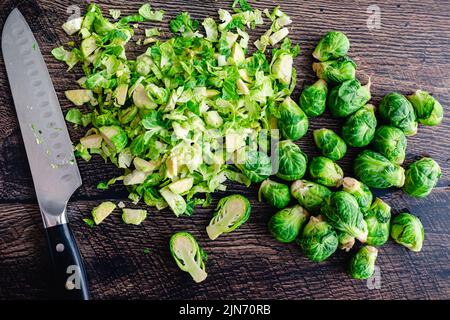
(69, 274)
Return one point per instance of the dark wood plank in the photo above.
(410, 51)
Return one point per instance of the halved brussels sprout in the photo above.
(342, 211)
(188, 255)
(335, 71)
(285, 225)
(397, 111)
(115, 137)
(362, 265)
(333, 45)
(360, 191)
(309, 194)
(378, 223)
(348, 97)
(292, 121)
(391, 143)
(378, 172)
(325, 171)
(318, 240)
(346, 241)
(330, 144)
(421, 177)
(359, 128)
(276, 194)
(313, 99)
(292, 161)
(407, 230)
(428, 110)
(257, 166)
(230, 214)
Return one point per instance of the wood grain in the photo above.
(410, 51)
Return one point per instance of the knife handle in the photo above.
(70, 280)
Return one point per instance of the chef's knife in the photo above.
(49, 151)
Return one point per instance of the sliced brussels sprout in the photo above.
(346, 241)
(362, 265)
(133, 216)
(92, 141)
(335, 71)
(378, 172)
(127, 115)
(309, 194)
(144, 165)
(257, 166)
(181, 186)
(428, 110)
(73, 26)
(378, 223)
(102, 211)
(276, 194)
(230, 214)
(325, 171)
(88, 46)
(407, 230)
(330, 144)
(188, 255)
(176, 202)
(333, 45)
(115, 137)
(282, 67)
(213, 119)
(421, 177)
(359, 129)
(121, 93)
(341, 210)
(285, 225)
(313, 99)
(141, 99)
(348, 97)
(292, 122)
(292, 161)
(79, 97)
(134, 177)
(391, 143)
(398, 112)
(318, 240)
(360, 191)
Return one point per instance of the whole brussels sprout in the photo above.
(276, 194)
(348, 97)
(429, 111)
(292, 161)
(335, 71)
(362, 265)
(346, 241)
(318, 240)
(397, 111)
(292, 121)
(313, 99)
(333, 45)
(391, 143)
(230, 214)
(257, 166)
(325, 171)
(330, 144)
(188, 255)
(285, 225)
(341, 210)
(421, 177)
(360, 191)
(378, 223)
(378, 172)
(407, 230)
(359, 128)
(309, 194)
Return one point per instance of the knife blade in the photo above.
(49, 150)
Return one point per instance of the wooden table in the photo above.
(410, 50)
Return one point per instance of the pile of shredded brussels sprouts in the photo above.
(199, 108)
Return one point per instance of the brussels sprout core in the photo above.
(362, 266)
(188, 255)
(346, 241)
(286, 224)
(276, 194)
(421, 177)
(407, 230)
(230, 214)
